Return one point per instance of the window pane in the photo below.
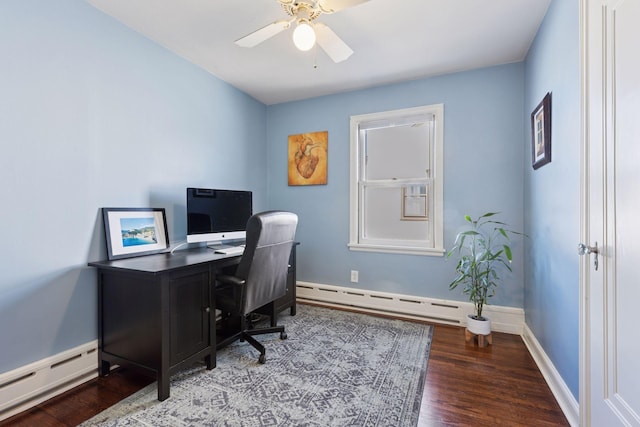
(383, 216)
(397, 152)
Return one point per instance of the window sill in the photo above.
(397, 249)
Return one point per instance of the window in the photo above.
(396, 181)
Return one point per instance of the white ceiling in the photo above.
(392, 40)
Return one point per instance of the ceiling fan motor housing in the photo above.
(301, 10)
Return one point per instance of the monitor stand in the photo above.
(216, 245)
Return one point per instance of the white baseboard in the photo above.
(27, 386)
(563, 395)
(503, 319)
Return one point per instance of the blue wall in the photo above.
(92, 115)
(552, 193)
(483, 151)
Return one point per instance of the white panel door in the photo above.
(610, 363)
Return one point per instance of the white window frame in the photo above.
(357, 241)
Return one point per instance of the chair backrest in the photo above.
(264, 263)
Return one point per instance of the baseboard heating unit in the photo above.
(27, 386)
(503, 319)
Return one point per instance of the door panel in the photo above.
(611, 366)
(626, 202)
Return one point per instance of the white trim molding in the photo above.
(563, 395)
(503, 319)
(29, 385)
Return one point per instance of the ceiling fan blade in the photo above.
(264, 33)
(331, 6)
(331, 43)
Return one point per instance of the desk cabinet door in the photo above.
(190, 310)
(130, 324)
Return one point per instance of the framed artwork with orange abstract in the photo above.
(307, 159)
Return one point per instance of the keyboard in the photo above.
(231, 250)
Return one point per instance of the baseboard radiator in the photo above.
(503, 319)
(29, 385)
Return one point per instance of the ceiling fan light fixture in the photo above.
(304, 37)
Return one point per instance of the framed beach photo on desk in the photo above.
(133, 232)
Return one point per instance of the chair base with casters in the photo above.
(245, 331)
(247, 335)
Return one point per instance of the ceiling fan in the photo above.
(304, 13)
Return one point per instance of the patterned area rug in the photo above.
(336, 369)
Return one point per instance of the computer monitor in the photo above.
(214, 216)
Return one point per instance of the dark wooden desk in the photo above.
(157, 312)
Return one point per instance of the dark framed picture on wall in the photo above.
(541, 133)
(135, 231)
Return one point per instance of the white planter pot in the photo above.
(478, 327)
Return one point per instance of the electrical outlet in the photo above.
(354, 276)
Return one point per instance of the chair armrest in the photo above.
(230, 280)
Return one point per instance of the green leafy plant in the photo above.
(483, 251)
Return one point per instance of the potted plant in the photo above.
(483, 252)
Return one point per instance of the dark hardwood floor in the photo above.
(82, 402)
(499, 385)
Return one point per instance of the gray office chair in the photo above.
(261, 276)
